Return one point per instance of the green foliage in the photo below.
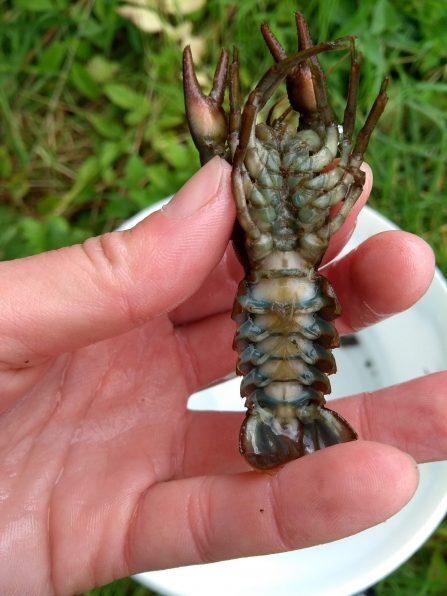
(84, 108)
(93, 128)
(83, 94)
(83, 82)
(425, 574)
(122, 587)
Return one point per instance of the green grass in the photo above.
(122, 587)
(424, 574)
(93, 128)
(92, 114)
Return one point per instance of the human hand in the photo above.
(103, 470)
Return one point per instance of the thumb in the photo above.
(58, 301)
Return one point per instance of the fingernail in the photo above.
(198, 191)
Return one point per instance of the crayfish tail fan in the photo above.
(268, 442)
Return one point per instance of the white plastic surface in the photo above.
(406, 346)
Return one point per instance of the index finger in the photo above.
(332, 494)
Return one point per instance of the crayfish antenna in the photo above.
(206, 117)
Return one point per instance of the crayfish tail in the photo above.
(267, 441)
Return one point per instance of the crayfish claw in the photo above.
(303, 32)
(300, 87)
(206, 117)
(276, 49)
(220, 78)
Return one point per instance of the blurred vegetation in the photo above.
(92, 125)
(92, 116)
(425, 574)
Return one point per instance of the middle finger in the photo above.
(385, 275)
(411, 416)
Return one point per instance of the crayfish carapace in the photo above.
(284, 309)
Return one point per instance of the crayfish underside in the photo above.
(284, 192)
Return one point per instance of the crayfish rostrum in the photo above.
(284, 191)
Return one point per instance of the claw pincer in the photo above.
(284, 309)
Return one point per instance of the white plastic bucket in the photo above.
(382, 355)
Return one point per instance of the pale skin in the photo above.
(103, 470)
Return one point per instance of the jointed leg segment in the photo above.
(371, 121)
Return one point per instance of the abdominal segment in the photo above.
(284, 341)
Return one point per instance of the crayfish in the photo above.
(284, 193)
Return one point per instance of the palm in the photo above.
(107, 423)
(104, 471)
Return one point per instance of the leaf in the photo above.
(178, 155)
(94, 31)
(141, 197)
(55, 232)
(18, 187)
(89, 170)
(84, 50)
(166, 121)
(5, 163)
(35, 5)
(101, 69)
(384, 18)
(47, 204)
(106, 127)
(88, 173)
(83, 82)
(58, 231)
(35, 233)
(52, 57)
(136, 116)
(118, 206)
(180, 32)
(109, 153)
(123, 96)
(437, 572)
(8, 216)
(175, 6)
(146, 20)
(158, 175)
(135, 170)
(108, 176)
